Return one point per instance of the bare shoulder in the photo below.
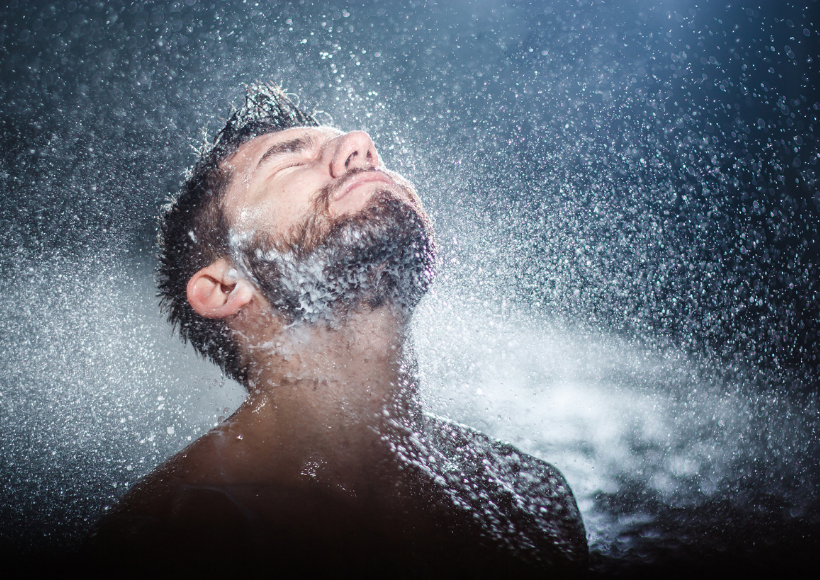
(505, 460)
(157, 496)
(525, 501)
(182, 507)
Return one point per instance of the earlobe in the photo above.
(216, 292)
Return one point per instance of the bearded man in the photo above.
(293, 259)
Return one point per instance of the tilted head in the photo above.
(305, 214)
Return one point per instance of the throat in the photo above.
(332, 396)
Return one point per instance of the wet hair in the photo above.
(193, 230)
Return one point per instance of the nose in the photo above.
(354, 150)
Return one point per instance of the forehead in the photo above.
(250, 152)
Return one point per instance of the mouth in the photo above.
(361, 179)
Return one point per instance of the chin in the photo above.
(382, 254)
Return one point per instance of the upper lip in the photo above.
(358, 179)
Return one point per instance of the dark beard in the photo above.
(383, 255)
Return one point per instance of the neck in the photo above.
(330, 392)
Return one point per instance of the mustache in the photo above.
(305, 237)
(322, 199)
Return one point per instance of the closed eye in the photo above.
(293, 146)
(287, 166)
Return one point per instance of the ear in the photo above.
(216, 291)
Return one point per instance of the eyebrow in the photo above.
(291, 146)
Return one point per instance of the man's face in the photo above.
(321, 227)
(279, 178)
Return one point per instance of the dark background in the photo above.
(645, 168)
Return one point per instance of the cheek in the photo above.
(288, 212)
(278, 206)
(292, 203)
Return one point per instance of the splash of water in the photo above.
(630, 187)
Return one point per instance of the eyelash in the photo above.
(288, 166)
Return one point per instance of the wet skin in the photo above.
(326, 461)
(277, 176)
